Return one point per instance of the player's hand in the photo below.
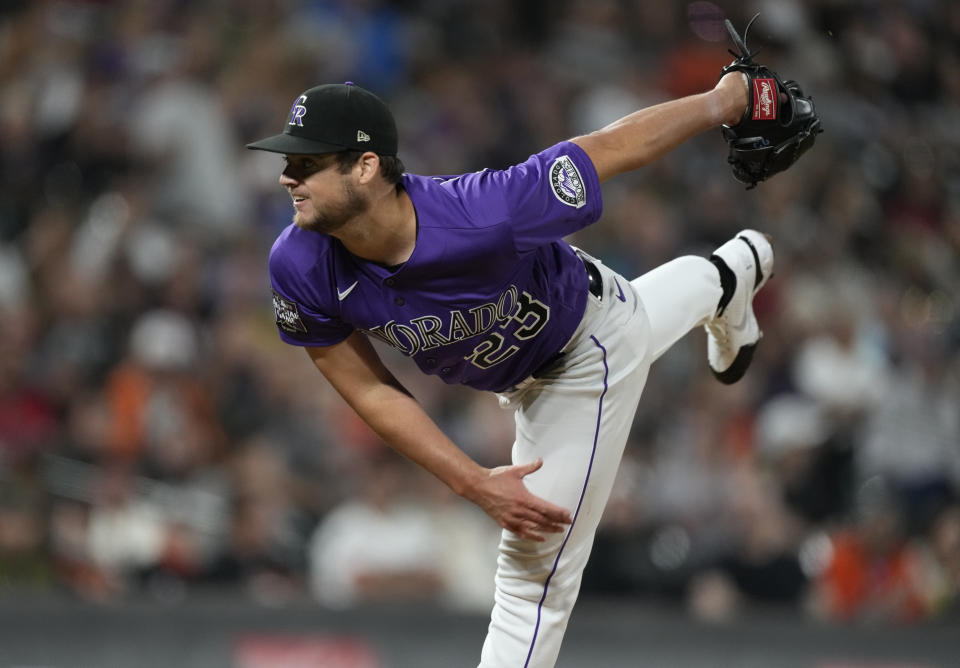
(503, 496)
(734, 95)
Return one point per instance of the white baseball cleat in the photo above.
(733, 333)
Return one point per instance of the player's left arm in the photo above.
(646, 135)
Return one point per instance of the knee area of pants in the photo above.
(527, 571)
(520, 590)
(528, 551)
(561, 591)
(690, 264)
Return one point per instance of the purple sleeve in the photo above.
(552, 194)
(300, 321)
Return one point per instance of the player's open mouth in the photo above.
(298, 201)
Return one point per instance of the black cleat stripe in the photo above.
(756, 262)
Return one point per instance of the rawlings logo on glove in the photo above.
(764, 103)
(778, 126)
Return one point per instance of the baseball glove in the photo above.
(779, 124)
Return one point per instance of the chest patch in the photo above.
(567, 183)
(288, 315)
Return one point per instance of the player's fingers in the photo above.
(552, 528)
(554, 523)
(549, 513)
(549, 526)
(560, 524)
(544, 517)
(528, 530)
(526, 469)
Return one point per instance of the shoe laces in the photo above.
(719, 332)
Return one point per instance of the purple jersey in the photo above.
(490, 293)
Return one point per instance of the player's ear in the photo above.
(368, 166)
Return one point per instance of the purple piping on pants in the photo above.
(556, 562)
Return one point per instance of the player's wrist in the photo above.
(469, 482)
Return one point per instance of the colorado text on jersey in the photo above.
(431, 331)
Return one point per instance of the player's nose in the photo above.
(286, 180)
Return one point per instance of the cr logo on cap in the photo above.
(298, 111)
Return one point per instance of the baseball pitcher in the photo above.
(469, 276)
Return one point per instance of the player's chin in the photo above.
(321, 224)
(307, 221)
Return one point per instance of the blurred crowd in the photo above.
(156, 437)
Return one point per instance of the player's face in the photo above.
(324, 199)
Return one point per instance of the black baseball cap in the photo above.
(333, 118)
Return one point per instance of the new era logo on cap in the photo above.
(362, 136)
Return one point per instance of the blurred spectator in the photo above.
(814, 470)
(126, 534)
(264, 550)
(867, 577)
(25, 563)
(937, 564)
(913, 437)
(161, 413)
(180, 128)
(838, 366)
(378, 546)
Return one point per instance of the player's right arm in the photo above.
(646, 135)
(356, 372)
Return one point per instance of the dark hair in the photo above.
(391, 167)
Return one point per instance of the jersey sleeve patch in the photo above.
(567, 184)
(288, 315)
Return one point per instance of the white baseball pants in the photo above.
(577, 418)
